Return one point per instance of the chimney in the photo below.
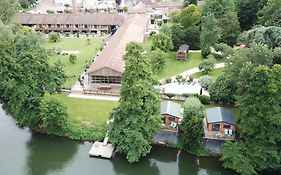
(74, 7)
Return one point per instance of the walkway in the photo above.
(96, 97)
(195, 70)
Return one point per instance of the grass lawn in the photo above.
(215, 73)
(88, 110)
(175, 67)
(87, 52)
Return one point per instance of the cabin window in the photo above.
(76, 25)
(216, 127)
(172, 119)
(58, 25)
(49, 25)
(67, 25)
(226, 126)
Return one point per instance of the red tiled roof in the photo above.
(92, 19)
(112, 55)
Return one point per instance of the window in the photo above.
(215, 127)
(226, 126)
(172, 119)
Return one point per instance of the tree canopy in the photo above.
(7, 9)
(138, 115)
(161, 41)
(270, 14)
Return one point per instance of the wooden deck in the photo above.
(216, 135)
(102, 149)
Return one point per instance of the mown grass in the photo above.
(86, 53)
(215, 73)
(88, 110)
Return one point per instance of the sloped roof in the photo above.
(184, 48)
(219, 114)
(92, 19)
(170, 108)
(112, 55)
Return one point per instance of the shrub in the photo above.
(168, 80)
(49, 11)
(207, 65)
(193, 107)
(205, 81)
(54, 37)
(72, 58)
(187, 95)
(204, 99)
(179, 78)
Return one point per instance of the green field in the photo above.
(174, 66)
(88, 110)
(215, 73)
(87, 52)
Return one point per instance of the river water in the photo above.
(23, 152)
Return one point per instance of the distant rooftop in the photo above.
(170, 108)
(219, 114)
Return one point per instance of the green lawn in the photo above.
(215, 73)
(87, 52)
(174, 66)
(88, 110)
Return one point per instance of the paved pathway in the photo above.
(96, 97)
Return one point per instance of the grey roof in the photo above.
(170, 108)
(184, 48)
(219, 114)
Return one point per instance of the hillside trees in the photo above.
(138, 115)
(270, 14)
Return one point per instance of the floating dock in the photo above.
(102, 149)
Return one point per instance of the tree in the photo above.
(192, 125)
(259, 148)
(271, 36)
(207, 65)
(206, 81)
(174, 15)
(210, 34)
(222, 90)
(24, 4)
(7, 9)
(138, 115)
(177, 36)
(54, 37)
(158, 60)
(72, 58)
(229, 28)
(188, 2)
(161, 41)
(277, 56)
(218, 8)
(190, 20)
(54, 114)
(26, 74)
(248, 12)
(270, 13)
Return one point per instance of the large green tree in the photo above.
(218, 8)
(161, 41)
(259, 103)
(7, 9)
(25, 74)
(210, 34)
(158, 60)
(248, 12)
(138, 115)
(192, 126)
(270, 13)
(271, 36)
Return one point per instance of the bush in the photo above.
(187, 95)
(207, 65)
(49, 11)
(168, 80)
(72, 58)
(179, 78)
(205, 100)
(54, 37)
(193, 107)
(205, 81)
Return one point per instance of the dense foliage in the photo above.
(161, 41)
(25, 74)
(138, 115)
(7, 9)
(191, 128)
(206, 81)
(158, 60)
(270, 13)
(54, 37)
(207, 65)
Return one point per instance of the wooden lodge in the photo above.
(171, 115)
(182, 52)
(219, 124)
(106, 70)
(71, 23)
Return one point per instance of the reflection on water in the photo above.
(25, 153)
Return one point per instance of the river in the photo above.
(23, 152)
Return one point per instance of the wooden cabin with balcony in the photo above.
(219, 124)
(71, 23)
(171, 115)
